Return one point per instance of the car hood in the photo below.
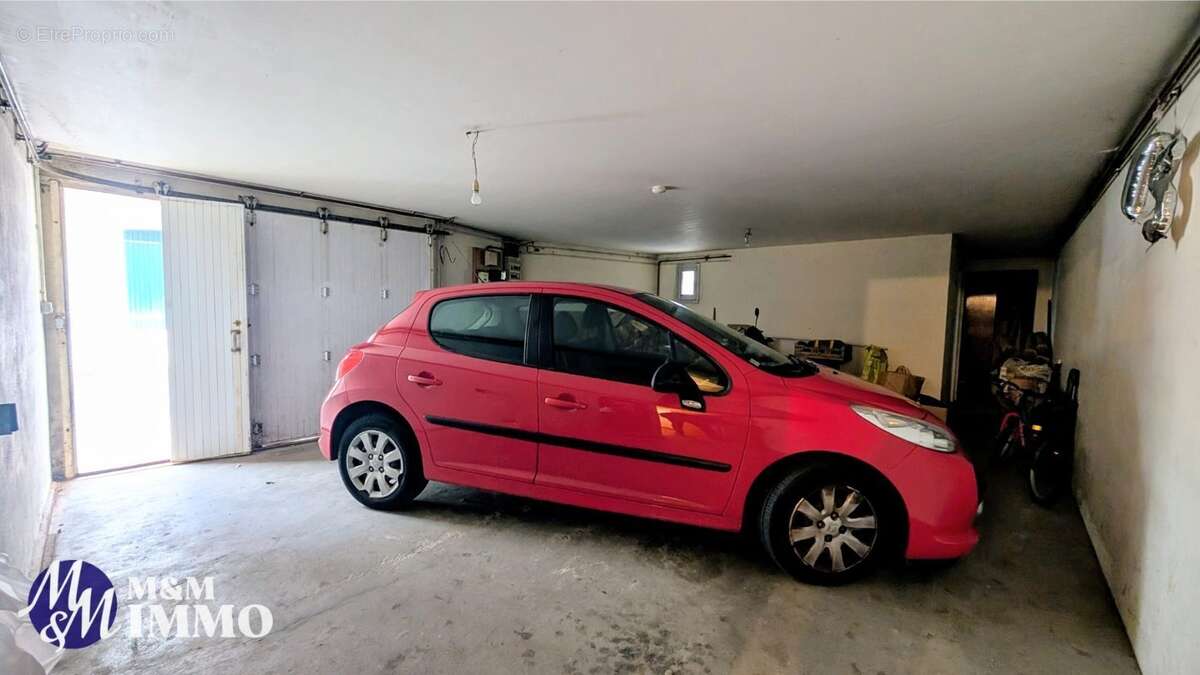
(852, 389)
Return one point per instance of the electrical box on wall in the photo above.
(488, 265)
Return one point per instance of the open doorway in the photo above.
(998, 313)
(117, 330)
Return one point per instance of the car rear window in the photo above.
(489, 327)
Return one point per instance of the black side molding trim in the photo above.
(581, 444)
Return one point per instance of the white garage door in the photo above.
(204, 274)
(315, 295)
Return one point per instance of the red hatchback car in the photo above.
(622, 401)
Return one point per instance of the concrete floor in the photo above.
(468, 582)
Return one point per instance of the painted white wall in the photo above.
(1126, 317)
(25, 455)
(1045, 267)
(889, 292)
(624, 271)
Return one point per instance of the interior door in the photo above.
(466, 374)
(604, 430)
(204, 269)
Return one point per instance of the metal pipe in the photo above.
(286, 443)
(188, 175)
(707, 258)
(534, 248)
(19, 117)
(144, 189)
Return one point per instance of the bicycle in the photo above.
(1039, 430)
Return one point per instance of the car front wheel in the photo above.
(828, 525)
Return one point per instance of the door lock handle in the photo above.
(564, 404)
(424, 380)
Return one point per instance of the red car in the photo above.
(622, 401)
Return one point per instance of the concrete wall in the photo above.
(628, 271)
(25, 455)
(1126, 317)
(889, 292)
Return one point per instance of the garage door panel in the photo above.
(291, 375)
(319, 294)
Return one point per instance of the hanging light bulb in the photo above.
(475, 198)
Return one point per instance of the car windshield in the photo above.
(758, 355)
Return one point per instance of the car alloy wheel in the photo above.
(833, 529)
(374, 464)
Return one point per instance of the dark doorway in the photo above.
(997, 315)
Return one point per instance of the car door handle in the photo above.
(424, 380)
(564, 403)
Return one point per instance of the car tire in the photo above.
(380, 463)
(811, 527)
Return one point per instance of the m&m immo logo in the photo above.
(72, 604)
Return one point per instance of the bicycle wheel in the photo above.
(1049, 475)
(1006, 443)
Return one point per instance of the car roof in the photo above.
(494, 286)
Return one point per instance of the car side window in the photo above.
(706, 374)
(595, 339)
(598, 340)
(484, 326)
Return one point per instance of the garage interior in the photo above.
(937, 180)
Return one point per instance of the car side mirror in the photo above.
(673, 378)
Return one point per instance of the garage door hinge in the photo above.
(251, 203)
(326, 355)
(383, 228)
(324, 291)
(323, 215)
(162, 189)
(253, 289)
(255, 360)
(384, 293)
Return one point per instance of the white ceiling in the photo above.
(805, 122)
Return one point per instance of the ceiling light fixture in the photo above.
(475, 198)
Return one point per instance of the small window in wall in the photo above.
(687, 282)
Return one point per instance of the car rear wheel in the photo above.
(828, 524)
(379, 462)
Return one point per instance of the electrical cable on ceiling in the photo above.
(475, 198)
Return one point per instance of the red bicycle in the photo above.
(1039, 430)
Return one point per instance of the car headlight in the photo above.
(909, 428)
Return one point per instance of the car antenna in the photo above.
(756, 317)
